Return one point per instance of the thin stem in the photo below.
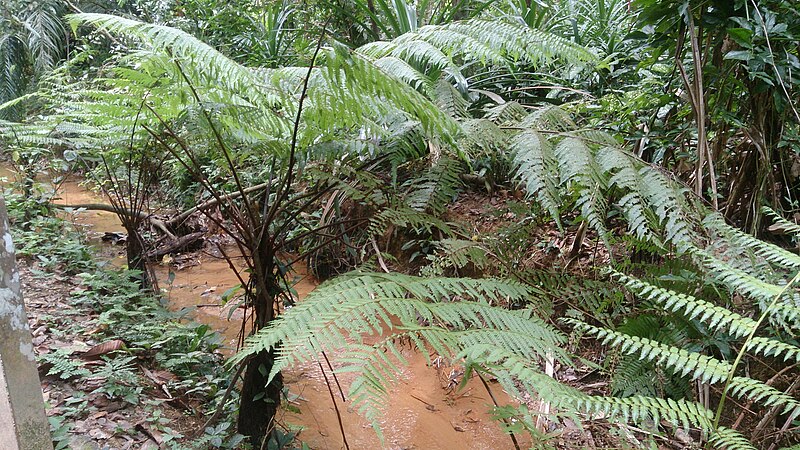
(741, 353)
(496, 405)
(283, 188)
(335, 406)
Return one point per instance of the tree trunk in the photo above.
(260, 401)
(135, 252)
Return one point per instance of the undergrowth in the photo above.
(107, 305)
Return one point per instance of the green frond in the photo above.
(446, 315)
(507, 113)
(781, 224)
(46, 35)
(357, 74)
(737, 279)
(633, 376)
(417, 53)
(435, 189)
(727, 439)
(744, 387)
(695, 365)
(405, 217)
(514, 371)
(666, 199)
(495, 42)
(577, 166)
(482, 137)
(628, 179)
(216, 67)
(549, 118)
(771, 347)
(536, 167)
(13, 61)
(746, 242)
(404, 71)
(599, 174)
(716, 317)
(449, 99)
(456, 254)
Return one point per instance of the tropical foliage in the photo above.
(663, 134)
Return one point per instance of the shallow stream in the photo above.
(424, 413)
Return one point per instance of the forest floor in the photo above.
(106, 385)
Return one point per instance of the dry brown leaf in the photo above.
(103, 349)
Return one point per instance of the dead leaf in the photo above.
(103, 349)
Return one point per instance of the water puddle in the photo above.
(424, 411)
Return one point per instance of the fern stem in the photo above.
(335, 406)
(739, 356)
(496, 405)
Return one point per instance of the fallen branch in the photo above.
(213, 202)
(101, 207)
(176, 245)
(119, 211)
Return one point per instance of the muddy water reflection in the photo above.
(422, 414)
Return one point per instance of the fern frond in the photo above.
(495, 42)
(454, 313)
(728, 439)
(762, 393)
(218, 69)
(513, 371)
(449, 99)
(628, 179)
(506, 113)
(716, 317)
(781, 224)
(456, 254)
(695, 365)
(482, 137)
(702, 367)
(577, 165)
(435, 189)
(771, 347)
(739, 280)
(405, 217)
(404, 71)
(536, 167)
(46, 35)
(549, 118)
(746, 242)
